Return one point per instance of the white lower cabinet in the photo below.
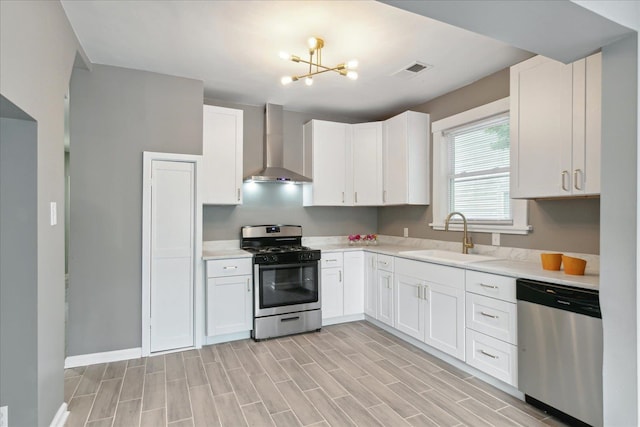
(342, 283)
(371, 284)
(430, 304)
(444, 319)
(229, 296)
(492, 328)
(332, 284)
(385, 289)
(409, 313)
(353, 291)
(385, 297)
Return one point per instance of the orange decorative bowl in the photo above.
(551, 261)
(574, 266)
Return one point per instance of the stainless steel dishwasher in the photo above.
(560, 350)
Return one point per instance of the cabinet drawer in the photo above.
(229, 267)
(492, 285)
(385, 262)
(492, 356)
(331, 259)
(492, 317)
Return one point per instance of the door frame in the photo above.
(198, 294)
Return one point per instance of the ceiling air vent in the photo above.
(411, 70)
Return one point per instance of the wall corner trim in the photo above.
(61, 416)
(104, 357)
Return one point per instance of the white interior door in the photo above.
(172, 252)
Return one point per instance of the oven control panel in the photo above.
(287, 257)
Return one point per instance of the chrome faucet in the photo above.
(466, 240)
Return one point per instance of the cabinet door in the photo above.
(541, 128)
(395, 161)
(229, 305)
(353, 282)
(222, 156)
(444, 319)
(367, 163)
(385, 297)
(409, 308)
(328, 147)
(370, 285)
(332, 293)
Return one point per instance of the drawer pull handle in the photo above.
(340, 276)
(248, 285)
(493, 356)
(493, 316)
(484, 285)
(230, 267)
(289, 319)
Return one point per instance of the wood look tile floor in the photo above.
(352, 374)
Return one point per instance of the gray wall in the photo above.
(281, 203)
(116, 114)
(271, 203)
(558, 225)
(18, 269)
(37, 52)
(618, 275)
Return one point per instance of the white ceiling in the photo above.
(233, 47)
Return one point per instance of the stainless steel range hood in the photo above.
(274, 170)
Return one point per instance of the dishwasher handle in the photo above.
(568, 298)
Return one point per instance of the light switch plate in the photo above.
(495, 239)
(54, 213)
(406, 232)
(4, 416)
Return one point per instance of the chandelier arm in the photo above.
(337, 70)
(316, 65)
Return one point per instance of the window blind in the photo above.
(478, 170)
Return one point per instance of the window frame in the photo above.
(440, 205)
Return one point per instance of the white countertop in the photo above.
(224, 254)
(505, 267)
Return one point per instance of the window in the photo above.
(472, 171)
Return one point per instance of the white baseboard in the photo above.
(61, 416)
(342, 319)
(216, 339)
(104, 357)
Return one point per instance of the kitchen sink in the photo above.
(447, 256)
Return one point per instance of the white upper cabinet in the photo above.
(555, 128)
(222, 156)
(367, 163)
(406, 140)
(325, 160)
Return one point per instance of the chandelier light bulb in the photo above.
(312, 42)
(353, 75)
(308, 81)
(286, 80)
(352, 65)
(284, 55)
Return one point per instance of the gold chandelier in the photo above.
(315, 48)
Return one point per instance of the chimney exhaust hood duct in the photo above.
(274, 170)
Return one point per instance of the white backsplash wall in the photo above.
(275, 203)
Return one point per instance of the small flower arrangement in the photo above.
(371, 239)
(354, 238)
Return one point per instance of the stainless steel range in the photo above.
(286, 281)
